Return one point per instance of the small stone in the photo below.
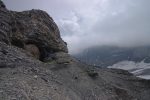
(1, 91)
(35, 76)
(75, 77)
(34, 88)
(13, 98)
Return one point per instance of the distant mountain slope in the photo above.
(135, 60)
(108, 55)
(139, 69)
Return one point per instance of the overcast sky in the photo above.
(87, 23)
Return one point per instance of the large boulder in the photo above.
(34, 27)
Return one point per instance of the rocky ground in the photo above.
(35, 65)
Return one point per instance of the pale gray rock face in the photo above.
(60, 77)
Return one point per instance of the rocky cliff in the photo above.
(34, 28)
(34, 65)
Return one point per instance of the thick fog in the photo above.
(87, 23)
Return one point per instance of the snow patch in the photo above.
(144, 76)
(138, 69)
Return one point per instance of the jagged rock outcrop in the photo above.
(33, 27)
(60, 77)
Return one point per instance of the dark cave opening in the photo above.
(39, 50)
(17, 43)
(46, 54)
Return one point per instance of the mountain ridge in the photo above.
(104, 56)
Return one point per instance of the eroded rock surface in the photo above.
(60, 77)
(31, 27)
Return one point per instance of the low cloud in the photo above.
(84, 23)
(117, 23)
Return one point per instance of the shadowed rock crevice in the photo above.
(17, 43)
